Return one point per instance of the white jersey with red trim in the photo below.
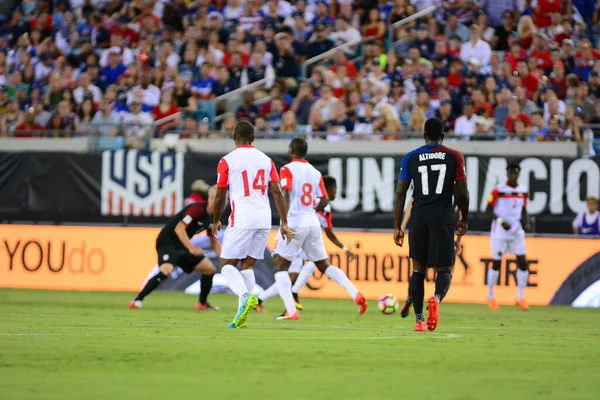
(326, 217)
(306, 185)
(508, 203)
(247, 172)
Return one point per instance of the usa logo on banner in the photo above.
(141, 183)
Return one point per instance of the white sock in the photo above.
(249, 279)
(521, 282)
(492, 278)
(284, 286)
(235, 281)
(269, 292)
(304, 275)
(341, 279)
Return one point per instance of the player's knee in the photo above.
(323, 265)
(444, 270)
(496, 265)
(166, 269)
(521, 263)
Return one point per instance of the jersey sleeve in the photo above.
(322, 187)
(223, 174)
(404, 171)
(273, 177)
(460, 175)
(286, 178)
(493, 197)
(194, 213)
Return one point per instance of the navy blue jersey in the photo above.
(195, 219)
(433, 168)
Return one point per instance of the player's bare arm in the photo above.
(323, 202)
(215, 243)
(401, 191)
(490, 212)
(185, 240)
(407, 214)
(333, 238)
(282, 209)
(463, 207)
(526, 221)
(219, 206)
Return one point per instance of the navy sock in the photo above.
(417, 287)
(442, 283)
(206, 283)
(151, 285)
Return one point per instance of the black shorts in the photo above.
(432, 244)
(178, 257)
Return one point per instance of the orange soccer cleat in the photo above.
(521, 303)
(493, 305)
(259, 308)
(360, 301)
(433, 307)
(206, 306)
(135, 304)
(420, 327)
(286, 316)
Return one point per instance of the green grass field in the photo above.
(77, 345)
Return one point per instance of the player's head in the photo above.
(434, 130)
(243, 133)
(512, 173)
(592, 204)
(298, 147)
(330, 186)
(201, 187)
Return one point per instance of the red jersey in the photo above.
(510, 122)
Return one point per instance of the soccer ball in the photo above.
(388, 304)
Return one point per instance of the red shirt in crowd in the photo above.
(559, 86)
(350, 67)
(227, 59)
(544, 9)
(510, 122)
(544, 59)
(484, 106)
(531, 83)
(128, 35)
(454, 80)
(24, 131)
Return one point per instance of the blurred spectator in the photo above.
(374, 28)
(303, 102)
(515, 113)
(476, 47)
(225, 83)
(289, 123)
(115, 68)
(229, 123)
(588, 222)
(345, 33)
(166, 113)
(28, 127)
(106, 121)
(150, 93)
(137, 123)
(465, 124)
(85, 87)
(247, 111)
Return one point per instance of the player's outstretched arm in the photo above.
(219, 206)
(401, 191)
(333, 238)
(463, 207)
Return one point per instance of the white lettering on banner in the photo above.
(557, 186)
(141, 183)
(576, 202)
(373, 187)
(348, 187)
(496, 173)
(472, 170)
(378, 184)
(535, 167)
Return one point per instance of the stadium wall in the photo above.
(120, 258)
(133, 187)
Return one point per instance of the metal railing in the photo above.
(392, 27)
(327, 54)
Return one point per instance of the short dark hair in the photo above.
(244, 130)
(329, 181)
(513, 165)
(299, 146)
(434, 129)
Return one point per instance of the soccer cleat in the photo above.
(521, 303)
(299, 306)
(135, 304)
(405, 309)
(242, 315)
(286, 316)
(420, 326)
(231, 325)
(206, 306)
(360, 301)
(493, 305)
(259, 308)
(433, 307)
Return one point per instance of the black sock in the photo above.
(409, 297)
(151, 285)
(296, 297)
(442, 283)
(206, 283)
(417, 288)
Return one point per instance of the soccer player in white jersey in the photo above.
(507, 205)
(247, 173)
(305, 193)
(300, 273)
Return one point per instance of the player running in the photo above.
(247, 173)
(507, 205)
(175, 249)
(435, 169)
(305, 192)
(300, 273)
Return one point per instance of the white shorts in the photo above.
(309, 239)
(296, 265)
(241, 243)
(508, 244)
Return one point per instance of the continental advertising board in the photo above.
(111, 258)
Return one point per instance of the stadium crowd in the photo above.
(497, 69)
